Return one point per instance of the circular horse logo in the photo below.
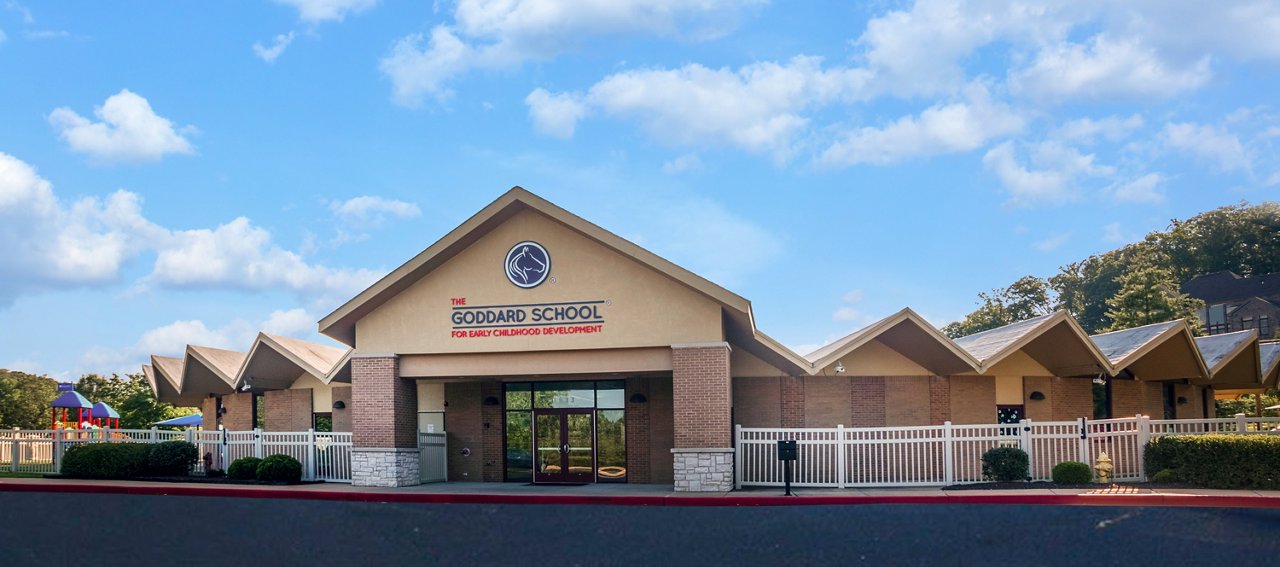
(528, 264)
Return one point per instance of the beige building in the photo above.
(551, 350)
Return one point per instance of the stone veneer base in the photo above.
(703, 470)
(385, 467)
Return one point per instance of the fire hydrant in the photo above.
(1103, 467)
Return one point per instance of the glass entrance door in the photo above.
(564, 445)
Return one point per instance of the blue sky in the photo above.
(174, 173)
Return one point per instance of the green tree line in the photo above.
(25, 399)
(1138, 284)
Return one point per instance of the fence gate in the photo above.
(433, 457)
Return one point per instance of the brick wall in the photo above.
(1128, 398)
(1072, 398)
(827, 401)
(757, 402)
(661, 430)
(866, 401)
(1153, 399)
(462, 423)
(939, 400)
(792, 392)
(239, 416)
(1038, 410)
(702, 396)
(342, 417)
(491, 431)
(973, 399)
(906, 401)
(209, 414)
(637, 432)
(1193, 409)
(383, 405)
(288, 410)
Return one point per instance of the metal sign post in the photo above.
(787, 454)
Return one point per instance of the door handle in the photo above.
(565, 450)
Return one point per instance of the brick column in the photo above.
(491, 431)
(793, 401)
(209, 413)
(288, 410)
(384, 417)
(637, 431)
(703, 402)
(239, 416)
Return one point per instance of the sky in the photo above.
(178, 172)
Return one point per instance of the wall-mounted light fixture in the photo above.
(491, 401)
(638, 398)
(339, 404)
(1037, 396)
(1182, 400)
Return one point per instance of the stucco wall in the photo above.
(642, 307)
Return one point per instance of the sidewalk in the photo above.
(658, 495)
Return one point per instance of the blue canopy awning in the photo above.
(101, 410)
(192, 420)
(72, 399)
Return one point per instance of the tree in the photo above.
(131, 397)
(1026, 298)
(1149, 294)
(25, 399)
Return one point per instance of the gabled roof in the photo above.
(1233, 359)
(1262, 300)
(1220, 287)
(1055, 341)
(208, 370)
(1154, 352)
(342, 322)
(911, 336)
(1269, 363)
(275, 362)
(341, 371)
(166, 374)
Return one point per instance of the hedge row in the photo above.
(1216, 461)
(275, 468)
(129, 460)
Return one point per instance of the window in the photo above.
(322, 422)
(1102, 400)
(1216, 322)
(1264, 326)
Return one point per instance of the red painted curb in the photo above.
(1182, 500)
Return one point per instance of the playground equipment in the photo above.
(70, 400)
(104, 416)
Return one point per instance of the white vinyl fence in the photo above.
(939, 455)
(324, 456)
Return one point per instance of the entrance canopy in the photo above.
(905, 332)
(1233, 360)
(166, 377)
(1055, 341)
(1161, 351)
(1269, 370)
(207, 370)
(275, 362)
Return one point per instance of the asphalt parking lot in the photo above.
(107, 530)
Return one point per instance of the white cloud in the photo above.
(50, 244)
(1106, 69)
(3, 37)
(682, 164)
(37, 35)
(846, 313)
(1053, 242)
(369, 211)
(1114, 233)
(279, 44)
(129, 131)
(939, 129)
(1087, 130)
(703, 236)
(1210, 143)
(328, 10)
(496, 34)
(292, 323)
(554, 115)
(1057, 167)
(1145, 189)
(853, 296)
(757, 108)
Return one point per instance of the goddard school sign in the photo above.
(532, 319)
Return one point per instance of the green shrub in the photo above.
(106, 460)
(1165, 476)
(244, 468)
(280, 468)
(1072, 472)
(172, 458)
(1218, 461)
(1006, 464)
